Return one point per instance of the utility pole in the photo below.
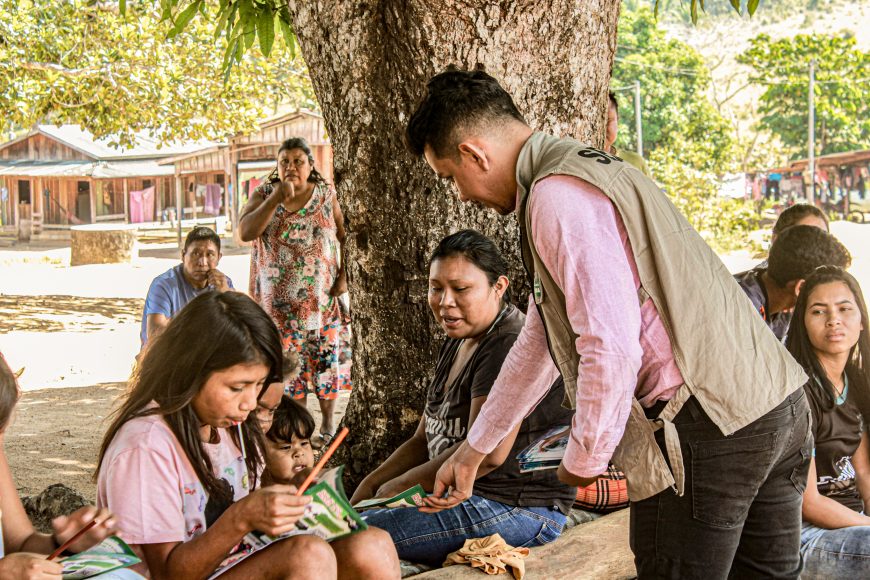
(811, 166)
(637, 125)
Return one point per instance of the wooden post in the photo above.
(93, 197)
(126, 203)
(179, 205)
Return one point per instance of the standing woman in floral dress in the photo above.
(297, 229)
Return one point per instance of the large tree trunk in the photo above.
(369, 64)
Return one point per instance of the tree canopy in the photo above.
(841, 95)
(676, 110)
(115, 73)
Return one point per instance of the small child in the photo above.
(289, 455)
(271, 396)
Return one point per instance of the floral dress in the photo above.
(294, 264)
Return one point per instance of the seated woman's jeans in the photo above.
(428, 538)
(841, 553)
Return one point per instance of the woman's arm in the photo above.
(273, 510)
(861, 464)
(410, 454)
(424, 474)
(824, 512)
(258, 213)
(340, 285)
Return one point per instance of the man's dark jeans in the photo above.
(740, 516)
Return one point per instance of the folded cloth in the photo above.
(492, 555)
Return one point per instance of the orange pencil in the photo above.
(60, 550)
(335, 443)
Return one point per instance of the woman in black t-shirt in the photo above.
(467, 283)
(829, 336)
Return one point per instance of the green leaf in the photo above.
(289, 38)
(694, 11)
(122, 7)
(266, 31)
(736, 5)
(752, 6)
(184, 18)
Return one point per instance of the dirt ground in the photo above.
(75, 331)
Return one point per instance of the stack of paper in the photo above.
(546, 452)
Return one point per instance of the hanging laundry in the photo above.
(213, 194)
(142, 205)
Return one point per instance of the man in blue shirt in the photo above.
(172, 290)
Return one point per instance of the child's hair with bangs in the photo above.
(290, 419)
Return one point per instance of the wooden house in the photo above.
(63, 175)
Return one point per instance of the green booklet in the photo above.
(329, 516)
(111, 554)
(410, 498)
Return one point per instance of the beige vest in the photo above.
(730, 361)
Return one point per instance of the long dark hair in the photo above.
(215, 331)
(9, 392)
(315, 176)
(799, 345)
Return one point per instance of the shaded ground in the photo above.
(66, 313)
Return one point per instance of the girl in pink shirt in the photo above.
(173, 469)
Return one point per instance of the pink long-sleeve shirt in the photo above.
(624, 348)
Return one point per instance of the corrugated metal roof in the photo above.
(83, 141)
(96, 170)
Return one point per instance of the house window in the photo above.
(23, 191)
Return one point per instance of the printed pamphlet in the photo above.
(111, 554)
(329, 516)
(546, 452)
(410, 498)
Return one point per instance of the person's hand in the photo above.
(273, 510)
(217, 280)
(569, 478)
(284, 190)
(26, 566)
(454, 481)
(65, 527)
(364, 491)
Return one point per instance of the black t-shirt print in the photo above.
(448, 407)
(837, 434)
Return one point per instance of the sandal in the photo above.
(326, 438)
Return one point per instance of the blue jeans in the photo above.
(428, 538)
(841, 553)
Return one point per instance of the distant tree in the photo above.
(677, 113)
(841, 95)
(85, 63)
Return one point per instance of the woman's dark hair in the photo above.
(800, 347)
(477, 249)
(799, 250)
(290, 419)
(9, 392)
(300, 143)
(215, 331)
(457, 98)
(792, 215)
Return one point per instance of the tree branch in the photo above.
(60, 69)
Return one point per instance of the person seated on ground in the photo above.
(269, 400)
(829, 337)
(289, 454)
(467, 284)
(797, 251)
(173, 289)
(183, 485)
(23, 551)
(610, 138)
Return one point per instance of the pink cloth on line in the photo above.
(142, 205)
(212, 205)
(624, 348)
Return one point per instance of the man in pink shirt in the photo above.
(471, 134)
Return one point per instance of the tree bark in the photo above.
(369, 63)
